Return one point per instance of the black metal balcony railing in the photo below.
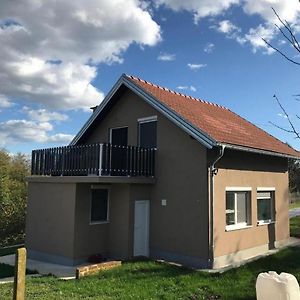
(94, 159)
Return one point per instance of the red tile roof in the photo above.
(218, 122)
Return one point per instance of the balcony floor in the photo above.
(91, 179)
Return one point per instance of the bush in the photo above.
(13, 197)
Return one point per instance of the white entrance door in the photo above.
(141, 228)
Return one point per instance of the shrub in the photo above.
(13, 197)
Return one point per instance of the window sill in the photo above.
(99, 223)
(237, 227)
(262, 223)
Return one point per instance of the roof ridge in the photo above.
(177, 93)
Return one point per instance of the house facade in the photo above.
(160, 174)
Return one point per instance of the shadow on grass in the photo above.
(9, 271)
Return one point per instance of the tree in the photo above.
(13, 197)
(294, 176)
(288, 34)
(286, 30)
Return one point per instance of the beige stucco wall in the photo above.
(181, 227)
(240, 169)
(50, 218)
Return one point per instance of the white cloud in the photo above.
(49, 49)
(22, 131)
(4, 102)
(227, 27)
(166, 57)
(209, 48)
(43, 115)
(230, 30)
(287, 9)
(186, 87)
(61, 138)
(196, 67)
(199, 8)
(61, 86)
(255, 35)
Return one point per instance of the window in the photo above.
(99, 205)
(119, 136)
(265, 207)
(147, 132)
(238, 210)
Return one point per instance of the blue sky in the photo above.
(55, 66)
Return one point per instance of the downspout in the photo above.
(212, 172)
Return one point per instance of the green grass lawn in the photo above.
(152, 280)
(294, 205)
(295, 226)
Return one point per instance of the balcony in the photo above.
(94, 160)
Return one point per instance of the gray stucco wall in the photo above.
(88, 239)
(111, 238)
(178, 231)
(50, 221)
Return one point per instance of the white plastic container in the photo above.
(271, 286)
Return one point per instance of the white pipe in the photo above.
(212, 172)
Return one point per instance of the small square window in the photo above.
(99, 206)
(265, 206)
(238, 210)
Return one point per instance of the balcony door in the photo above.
(119, 141)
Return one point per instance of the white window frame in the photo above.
(238, 189)
(242, 225)
(98, 187)
(272, 199)
(145, 120)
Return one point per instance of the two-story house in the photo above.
(156, 173)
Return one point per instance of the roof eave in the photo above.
(259, 151)
(199, 135)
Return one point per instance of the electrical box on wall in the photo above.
(164, 202)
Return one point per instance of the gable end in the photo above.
(200, 136)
